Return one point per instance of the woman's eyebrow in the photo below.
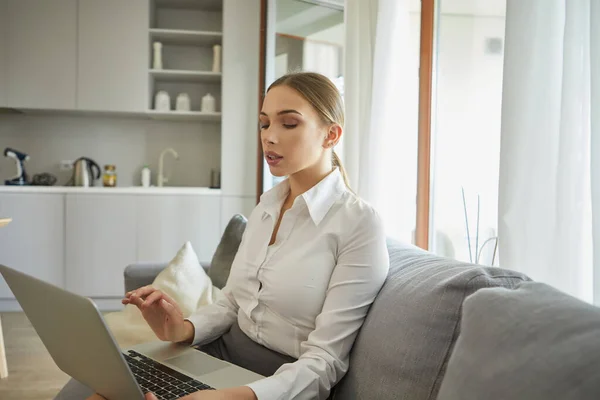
(282, 112)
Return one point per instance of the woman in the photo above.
(311, 261)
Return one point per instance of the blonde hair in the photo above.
(325, 98)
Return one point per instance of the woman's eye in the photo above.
(264, 126)
(290, 126)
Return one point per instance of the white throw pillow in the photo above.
(184, 280)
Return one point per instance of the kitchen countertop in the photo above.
(137, 190)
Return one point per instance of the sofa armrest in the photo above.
(142, 274)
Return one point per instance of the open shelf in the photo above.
(184, 37)
(165, 75)
(208, 5)
(193, 116)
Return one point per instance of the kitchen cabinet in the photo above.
(166, 222)
(113, 55)
(41, 51)
(100, 242)
(34, 241)
(83, 241)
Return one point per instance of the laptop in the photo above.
(76, 336)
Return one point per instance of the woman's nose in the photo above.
(269, 136)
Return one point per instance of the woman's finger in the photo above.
(155, 296)
(136, 301)
(142, 292)
(150, 396)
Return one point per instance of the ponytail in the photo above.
(336, 162)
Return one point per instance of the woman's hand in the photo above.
(162, 314)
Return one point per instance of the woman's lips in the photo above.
(272, 158)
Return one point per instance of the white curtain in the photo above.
(550, 122)
(380, 137)
(595, 141)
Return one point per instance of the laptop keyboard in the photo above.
(164, 382)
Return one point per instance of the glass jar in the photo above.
(110, 176)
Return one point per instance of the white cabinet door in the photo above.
(3, 58)
(113, 55)
(34, 241)
(100, 242)
(166, 222)
(41, 40)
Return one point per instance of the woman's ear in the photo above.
(334, 134)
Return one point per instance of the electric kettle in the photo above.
(83, 172)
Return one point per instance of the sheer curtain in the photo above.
(550, 128)
(381, 99)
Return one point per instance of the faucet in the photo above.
(161, 179)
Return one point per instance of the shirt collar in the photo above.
(319, 199)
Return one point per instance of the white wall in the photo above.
(126, 142)
(241, 53)
(335, 35)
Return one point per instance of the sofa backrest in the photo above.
(220, 265)
(404, 345)
(533, 343)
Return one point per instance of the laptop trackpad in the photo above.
(196, 363)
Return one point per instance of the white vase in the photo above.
(162, 101)
(183, 102)
(157, 59)
(216, 58)
(208, 103)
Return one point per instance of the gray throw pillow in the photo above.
(220, 264)
(533, 343)
(404, 345)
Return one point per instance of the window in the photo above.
(466, 129)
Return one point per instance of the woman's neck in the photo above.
(304, 180)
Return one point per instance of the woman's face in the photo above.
(293, 135)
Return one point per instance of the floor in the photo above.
(32, 373)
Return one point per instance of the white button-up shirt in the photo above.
(308, 294)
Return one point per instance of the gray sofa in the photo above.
(443, 329)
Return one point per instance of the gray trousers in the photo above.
(234, 347)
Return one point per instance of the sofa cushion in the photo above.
(404, 345)
(533, 343)
(220, 264)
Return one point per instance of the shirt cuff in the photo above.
(204, 329)
(268, 389)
